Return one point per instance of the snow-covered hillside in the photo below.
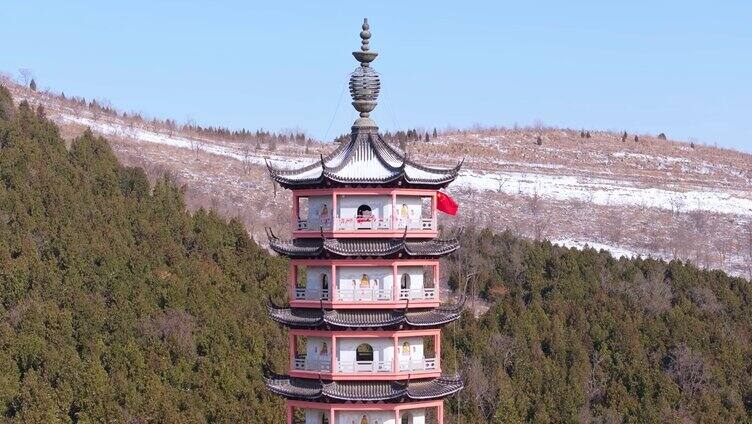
(650, 197)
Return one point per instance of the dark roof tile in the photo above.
(365, 160)
(367, 318)
(325, 247)
(356, 391)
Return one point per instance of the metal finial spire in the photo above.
(365, 35)
(364, 81)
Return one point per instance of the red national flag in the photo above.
(446, 204)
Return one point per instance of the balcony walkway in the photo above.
(365, 295)
(302, 363)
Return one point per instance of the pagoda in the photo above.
(365, 312)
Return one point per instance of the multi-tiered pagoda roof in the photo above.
(364, 319)
(365, 160)
(326, 248)
(363, 391)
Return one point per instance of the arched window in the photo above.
(324, 282)
(364, 353)
(364, 420)
(324, 213)
(405, 281)
(324, 349)
(364, 211)
(407, 418)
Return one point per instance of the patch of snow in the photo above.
(554, 187)
(649, 158)
(603, 192)
(140, 134)
(616, 252)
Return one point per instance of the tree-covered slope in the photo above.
(577, 336)
(117, 305)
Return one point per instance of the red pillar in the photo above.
(395, 286)
(334, 353)
(295, 210)
(433, 212)
(436, 282)
(394, 211)
(440, 413)
(289, 414)
(396, 416)
(293, 278)
(333, 284)
(293, 349)
(331, 416)
(335, 213)
(395, 356)
(437, 348)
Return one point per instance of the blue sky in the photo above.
(679, 67)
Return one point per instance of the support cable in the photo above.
(336, 109)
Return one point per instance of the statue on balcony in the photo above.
(324, 214)
(404, 212)
(324, 349)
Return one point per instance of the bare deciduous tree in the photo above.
(247, 157)
(175, 326)
(26, 75)
(479, 388)
(594, 386)
(688, 369)
(540, 219)
(677, 204)
(506, 348)
(196, 145)
(705, 299)
(653, 293)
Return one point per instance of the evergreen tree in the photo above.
(119, 305)
(7, 109)
(33, 85)
(579, 336)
